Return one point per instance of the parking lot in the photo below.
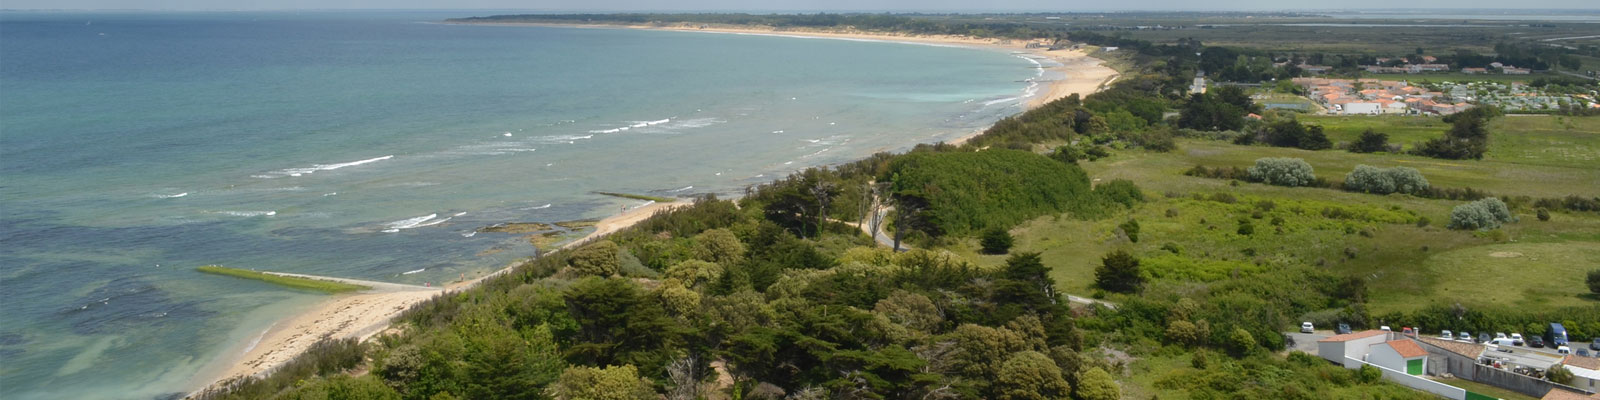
(1307, 342)
(1523, 355)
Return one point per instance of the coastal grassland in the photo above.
(1524, 274)
(1480, 388)
(286, 281)
(1172, 372)
(1543, 140)
(1375, 237)
(657, 199)
(1495, 176)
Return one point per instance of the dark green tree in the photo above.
(996, 240)
(1594, 281)
(1131, 228)
(1119, 272)
(1370, 142)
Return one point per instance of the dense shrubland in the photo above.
(777, 295)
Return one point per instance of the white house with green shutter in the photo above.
(1400, 355)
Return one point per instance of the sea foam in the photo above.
(322, 167)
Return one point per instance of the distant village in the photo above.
(1406, 97)
(1377, 97)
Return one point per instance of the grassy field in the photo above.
(286, 281)
(1485, 389)
(1543, 140)
(1523, 274)
(1407, 266)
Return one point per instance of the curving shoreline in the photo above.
(365, 314)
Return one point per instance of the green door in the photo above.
(1414, 367)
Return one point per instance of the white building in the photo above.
(1353, 346)
(1363, 108)
(1399, 355)
(1585, 371)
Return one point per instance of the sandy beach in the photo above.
(365, 314)
(1078, 72)
(362, 315)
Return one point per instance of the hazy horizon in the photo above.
(776, 6)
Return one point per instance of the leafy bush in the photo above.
(1120, 191)
(597, 259)
(1218, 172)
(1370, 142)
(1282, 172)
(1131, 228)
(1544, 215)
(1369, 179)
(1097, 384)
(1288, 133)
(1175, 266)
(954, 193)
(1560, 374)
(1593, 280)
(1483, 214)
(996, 241)
(1369, 373)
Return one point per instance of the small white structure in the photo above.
(1401, 355)
(1363, 108)
(1354, 346)
(1585, 371)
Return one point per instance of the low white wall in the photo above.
(1414, 382)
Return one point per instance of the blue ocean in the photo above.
(137, 146)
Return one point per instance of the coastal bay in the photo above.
(363, 315)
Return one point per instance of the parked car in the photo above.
(1447, 335)
(1305, 327)
(1500, 335)
(1516, 338)
(1406, 330)
(1384, 328)
(1536, 341)
(1583, 353)
(1500, 342)
(1596, 345)
(1343, 328)
(1483, 337)
(1464, 336)
(1563, 350)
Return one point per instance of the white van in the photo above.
(1501, 342)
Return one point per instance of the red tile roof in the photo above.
(1353, 336)
(1589, 363)
(1559, 394)
(1466, 349)
(1407, 348)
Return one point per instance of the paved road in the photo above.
(1307, 342)
(1086, 300)
(1577, 75)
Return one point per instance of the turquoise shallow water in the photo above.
(136, 146)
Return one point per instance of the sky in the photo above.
(782, 5)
